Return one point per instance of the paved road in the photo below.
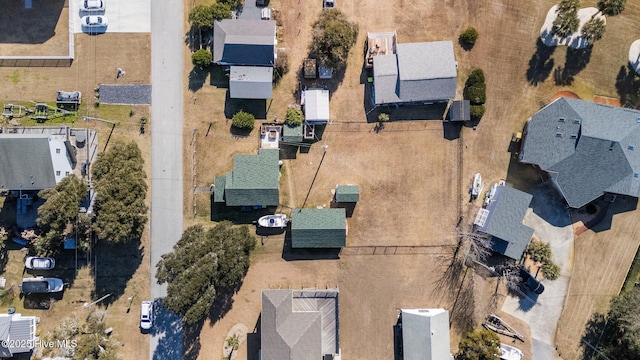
(166, 161)
(552, 223)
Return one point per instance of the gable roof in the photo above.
(504, 222)
(587, 149)
(250, 82)
(460, 110)
(425, 71)
(244, 42)
(425, 334)
(318, 228)
(347, 193)
(316, 106)
(255, 180)
(25, 162)
(21, 330)
(299, 324)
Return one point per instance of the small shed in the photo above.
(310, 69)
(325, 72)
(460, 110)
(347, 193)
(292, 134)
(318, 228)
(68, 99)
(316, 106)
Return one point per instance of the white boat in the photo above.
(509, 353)
(490, 194)
(477, 186)
(273, 221)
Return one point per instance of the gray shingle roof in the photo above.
(318, 228)
(504, 222)
(26, 160)
(426, 71)
(425, 334)
(255, 180)
(587, 148)
(250, 82)
(244, 42)
(299, 324)
(347, 193)
(460, 110)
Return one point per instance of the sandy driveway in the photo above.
(550, 218)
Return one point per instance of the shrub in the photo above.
(551, 271)
(243, 120)
(294, 117)
(539, 251)
(477, 94)
(333, 37)
(202, 58)
(220, 11)
(468, 37)
(233, 4)
(282, 66)
(476, 77)
(383, 117)
(476, 112)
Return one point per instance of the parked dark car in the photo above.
(531, 282)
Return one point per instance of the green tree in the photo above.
(539, 251)
(293, 117)
(233, 342)
(202, 263)
(621, 336)
(479, 345)
(593, 30)
(220, 11)
(202, 58)
(233, 4)
(243, 120)
(566, 21)
(476, 112)
(551, 271)
(59, 210)
(201, 17)
(475, 89)
(333, 37)
(468, 37)
(120, 183)
(611, 7)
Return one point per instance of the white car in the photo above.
(39, 263)
(91, 5)
(41, 285)
(146, 315)
(94, 21)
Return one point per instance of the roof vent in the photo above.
(573, 136)
(576, 121)
(635, 175)
(562, 120)
(638, 119)
(558, 134)
(631, 147)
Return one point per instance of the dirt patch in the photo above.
(607, 100)
(565, 93)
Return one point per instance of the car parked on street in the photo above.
(146, 315)
(94, 22)
(39, 263)
(41, 285)
(92, 5)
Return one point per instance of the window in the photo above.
(57, 151)
(58, 173)
(66, 173)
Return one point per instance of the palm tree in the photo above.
(233, 342)
(566, 23)
(593, 30)
(611, 7)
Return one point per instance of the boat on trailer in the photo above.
(273, 221)
(476, 186)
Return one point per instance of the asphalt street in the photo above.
(166, 162)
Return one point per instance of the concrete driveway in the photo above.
(550, 219)
(124, 15)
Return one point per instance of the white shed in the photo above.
(316, 106)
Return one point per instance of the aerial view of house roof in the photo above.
(318, 228)
(316, 106)
(425, 334)
(244, 42)
(588, 149)
(250, 82)
(502, 219)
(417, 72)
(20, 330)
(299, 324)
(32, 161)
(254, 180)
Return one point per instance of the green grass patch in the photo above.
(15, 77)
(634, 273)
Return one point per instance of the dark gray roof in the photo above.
(299, 324)
(250, 82)
(26, 160)
(460, 110)
(425, 71)
(318, 228)
(504, 222)
(244, 42)
(587, 148)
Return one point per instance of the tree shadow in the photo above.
(168, 328)
(540, 64)
(223, 302)
(114, 266)
(197, 78)
(628, 86)
(191, 344)
(238, 215)
(592, 335)
(18, 25)
(576, 60)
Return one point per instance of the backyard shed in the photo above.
(316, 106)
(318, 228)
(460, 110)
(347, 193)
(292, 134)
(310, 69)
(250, 82)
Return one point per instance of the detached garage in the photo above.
(318, 228)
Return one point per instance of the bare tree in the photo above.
(480, 245)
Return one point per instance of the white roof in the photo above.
(425, 334)
(316, 106)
